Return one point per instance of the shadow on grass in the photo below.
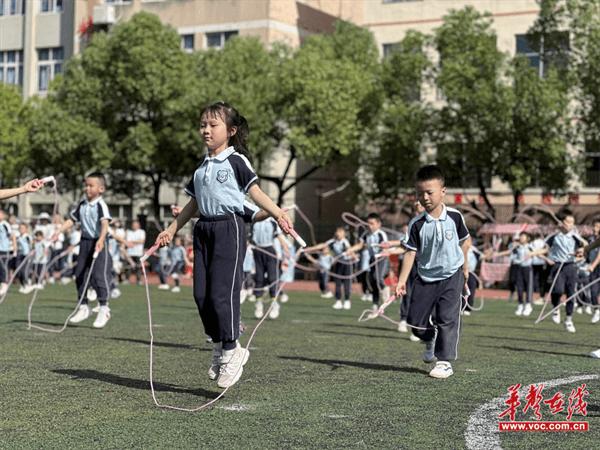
(487, 325)
(338, 363)
(159, 344)
(536, 341)
(346, 333)
(39, 322)
(88, 374)
(529, 350)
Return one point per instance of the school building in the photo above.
(38, 36)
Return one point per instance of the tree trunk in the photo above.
(516, 195)
(156, 183)
(483, 193)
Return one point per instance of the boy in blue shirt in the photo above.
(439, 240)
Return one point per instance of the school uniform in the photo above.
(472, 261)
(219, 186)
(325, 263)
(595, 274)
(5, 244)
(136, 251)
(177, 255)
(288, 266)
(163, 264)
(539, 268)
(342, 268)
(524, 276)
(407, 299)
(24, 247)
(438, 287)
(90, 215)
(562, 251)
(513, 270)
(248, 267)
(41, 252)
(378, 270)
(263, 236)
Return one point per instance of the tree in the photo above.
(403, 120)
(137, 85)
(14, 153)
(63, 144)
(330, 95)
(535, 151)
(470, 127)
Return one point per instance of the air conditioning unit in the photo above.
(104, 15)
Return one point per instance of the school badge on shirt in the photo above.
(449, 235)
(222, 176)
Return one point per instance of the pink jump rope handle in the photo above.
(48, 179)
(149, 252)
(299, 240)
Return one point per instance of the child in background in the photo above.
(288, 265)
(178, 262)
(24, 247)
(324, 263)
(40, 258)
(162, 266)
(248, 281)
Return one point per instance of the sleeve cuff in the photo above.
(190, 193)
(250, 183)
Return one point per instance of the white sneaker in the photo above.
(579, 310)
(258, 309)
(22, 290)
(28, 288)
(442, 369)
(51, 280)
(327, 294)
(38, 286)
(65, 280)
(243, 295)
(3, 288)
(251, 298)
(403, 326)
(102, 318)
(347, 304)
(519, 311)
(176, 289)
(466, 312)
(538, 301)
(569, 325)
(595, 354)
(163, 287)
(115, 293)
(413, 338)
(283, 298)
(527, 310)
(96, 309)
(429, 353)
(92, 296)
(274, 314)
(231, 366)
(215, 365)
(364, 298)
(556, 317)
(596, 316)
(337, 304)
(588, 310)
(369, 297)
(83, 312)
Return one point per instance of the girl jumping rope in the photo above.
(218, 189)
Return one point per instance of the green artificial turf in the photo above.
(316, 378)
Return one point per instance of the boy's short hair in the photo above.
(38, 233)
(374, 216)
(525, 233)
(99, 176)
(562, 215)
(596, 220)
(431, 172)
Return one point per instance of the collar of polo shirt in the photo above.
(93, 202)
(443, 215)
(221, 156)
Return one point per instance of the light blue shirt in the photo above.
(177, 254)
(472, 259)
(265, 232)
(563, 246)
(91, 214)
(5, 231)
(325, 262)
(437, 244)
(40, 256)
(220, 183)
(373, 241)
(339, 246)
(522, 258)
(248, 260)
(23, 244)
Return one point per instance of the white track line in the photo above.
(482, 429)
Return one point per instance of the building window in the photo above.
(388, 49)
(51, 6)
(12, 7)
(11, 67)
(217, 40)
(554, 49)
(117, 2)
(50, 62)
(187, 42)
